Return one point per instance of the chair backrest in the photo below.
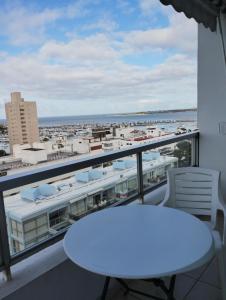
(194, 190)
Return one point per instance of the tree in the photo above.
(183, 152)
(3, 129)
(2, 153)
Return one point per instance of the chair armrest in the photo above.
(166, 197)
(163, 203)
(222, 208)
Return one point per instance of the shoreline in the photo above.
(128, 123)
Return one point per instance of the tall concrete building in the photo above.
(22, 120)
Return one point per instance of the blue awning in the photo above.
(203, 11)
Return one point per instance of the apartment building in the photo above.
(22, 120)
(37, 213)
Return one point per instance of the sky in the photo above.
(97, 56)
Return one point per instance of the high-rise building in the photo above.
(22, 120)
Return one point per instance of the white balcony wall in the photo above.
(212, 100)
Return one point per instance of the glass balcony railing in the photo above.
(160, 159)
(37, 207)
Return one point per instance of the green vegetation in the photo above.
(183, 152)
(3, 129)
(2, 153)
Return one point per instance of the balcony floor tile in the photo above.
(197, 273)
(211, 274)
(204, 291)
(183, 285)
(199, 284)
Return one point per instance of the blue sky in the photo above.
(89, 57)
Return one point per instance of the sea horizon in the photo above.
(161, 116)
(102, 119)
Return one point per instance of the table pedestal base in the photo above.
(169, 292)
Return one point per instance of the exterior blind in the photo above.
(203, 11)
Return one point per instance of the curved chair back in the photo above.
(194, 190)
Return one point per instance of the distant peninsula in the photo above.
(149, 112)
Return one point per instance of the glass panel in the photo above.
(42, 220)
(13, 224)
(156, 162)
(30, 235)
(29, 225)
(182, 151)
(109, 195)
(78, 208)
(41, 210)
(57, 217)
(19, 227)
(16, 228)
(42, 229)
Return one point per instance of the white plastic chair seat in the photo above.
(196, 190)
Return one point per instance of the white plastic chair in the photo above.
(196, 191)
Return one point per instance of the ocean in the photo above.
(118, 119)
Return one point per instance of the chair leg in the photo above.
(222, 271)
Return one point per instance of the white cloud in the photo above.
(76, 9)
(147, 6)
(88, 74)
(96, 48)
(125, 6)
(181, 35)
(149, 101)
(26, 25)
(21, 26)
(104, 23)
(91, 88)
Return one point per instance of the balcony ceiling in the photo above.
(203, 11)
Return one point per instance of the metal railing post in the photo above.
(140, 177)
(4, 241)
(195, 151)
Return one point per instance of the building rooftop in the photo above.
(74, 190)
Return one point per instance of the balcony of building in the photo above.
(42, 268)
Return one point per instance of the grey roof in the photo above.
(203, 11)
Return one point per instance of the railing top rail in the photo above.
(28, 177)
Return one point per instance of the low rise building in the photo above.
(36, 213)
(30, 154)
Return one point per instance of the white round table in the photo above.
(139, 242)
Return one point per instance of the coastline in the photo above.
(158, 112)
(116, 119)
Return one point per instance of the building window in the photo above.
(58, 216)
(132, 186)
(35, 228)
(109, 195)
(78, 208)
(17, 229)
(17, 246)
(121, 188)
(97, 199)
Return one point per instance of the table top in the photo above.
(138, 242)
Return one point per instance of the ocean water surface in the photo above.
(118, 119)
